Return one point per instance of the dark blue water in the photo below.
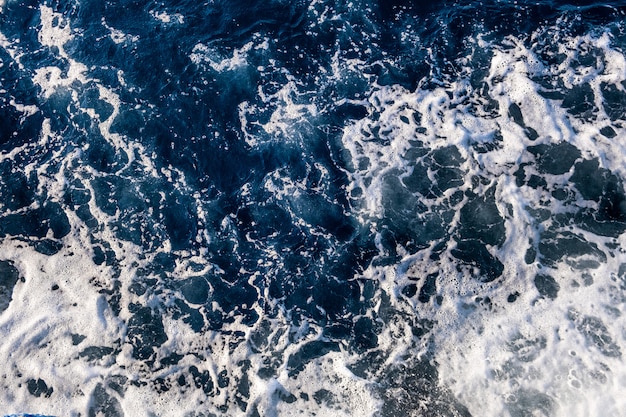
(215, 140)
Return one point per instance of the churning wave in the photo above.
(312, 208)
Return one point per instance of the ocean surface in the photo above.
(312, 208)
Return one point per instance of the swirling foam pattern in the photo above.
(282, 208)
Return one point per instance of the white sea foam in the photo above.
(219, 60)
(168, 18)
(292, 115)
(509, 358)
(494, 357)
(45, 322)
(55, 29)
(40, 322)
(118, 36)
(56, 32)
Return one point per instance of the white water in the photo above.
(475, 345)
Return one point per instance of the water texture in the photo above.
(312, 208)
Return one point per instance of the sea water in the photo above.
(312, 208)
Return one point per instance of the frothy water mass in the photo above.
(299, 208)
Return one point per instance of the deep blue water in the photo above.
(217, 139)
